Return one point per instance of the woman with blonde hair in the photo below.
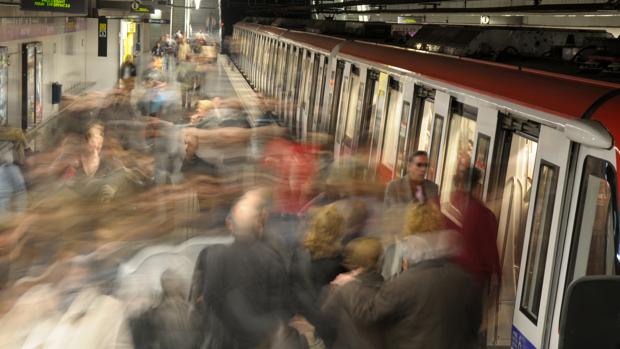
(315, 263)
(322, 240)
(424, 236)
(432, 302)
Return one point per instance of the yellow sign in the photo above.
(103, 30)
(52, 3)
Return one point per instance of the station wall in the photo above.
(68, 57)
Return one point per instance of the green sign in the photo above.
(69, 6)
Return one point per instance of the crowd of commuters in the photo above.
(320, 256)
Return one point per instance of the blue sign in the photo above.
(519, 341)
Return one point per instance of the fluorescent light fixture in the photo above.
(197, 4)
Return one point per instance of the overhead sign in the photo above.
(141, 8)
(130, 6)
(410, 19)
(156, 21)
(102, 34)
(68, 6)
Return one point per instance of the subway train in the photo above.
(544, 142)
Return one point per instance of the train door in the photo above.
(349, 118)
(247, 53)
(552, 161)
(281, 80)
(460, 139)
(300, 108)
(376, 122)
(404, 127)
(508, 197)
(315, 85)
(388, 128)
(297, 86)
(592, 230)
(270, 67)
(437, 139)
(274, 68)
(262, 66)
(319, 93)
(335, 83)
(307, 103)
(254, 62)
(263, 63)
(341, 112)
(419, 133)
(292, 75)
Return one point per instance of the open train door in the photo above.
(539, 247)
(591, 230)
(319, 93)
(389, 147)
(343, 107)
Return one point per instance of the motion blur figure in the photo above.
(479, 230)
(434, 303)
(361, 257)
(315, 263)
(246, 282)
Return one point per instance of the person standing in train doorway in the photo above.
(413, 187)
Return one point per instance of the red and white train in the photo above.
(545, 143)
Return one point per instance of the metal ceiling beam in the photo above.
(555, 8)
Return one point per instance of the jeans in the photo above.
(13, 196)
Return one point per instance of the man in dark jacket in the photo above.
(413, 187)
(433, 304)
(246, 287)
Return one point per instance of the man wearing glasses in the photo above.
(413, 187)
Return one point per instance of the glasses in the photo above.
(421, 164)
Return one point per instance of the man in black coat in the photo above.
(244, 284)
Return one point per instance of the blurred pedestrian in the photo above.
(434, 303)
(361, 257)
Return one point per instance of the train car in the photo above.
(544, 142)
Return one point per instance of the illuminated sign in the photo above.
(131, 6)
(410, 19)
(69, 6)
(142, 9)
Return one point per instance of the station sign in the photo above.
(410, 19)
(102, 35)
(155, 21)
(129, 6)
(68, 6)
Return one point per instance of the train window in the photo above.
(539, 240)
(426, 124)
(461, 138)
(593, 250)
(434, 151)
(480, 162)
(390, 142)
